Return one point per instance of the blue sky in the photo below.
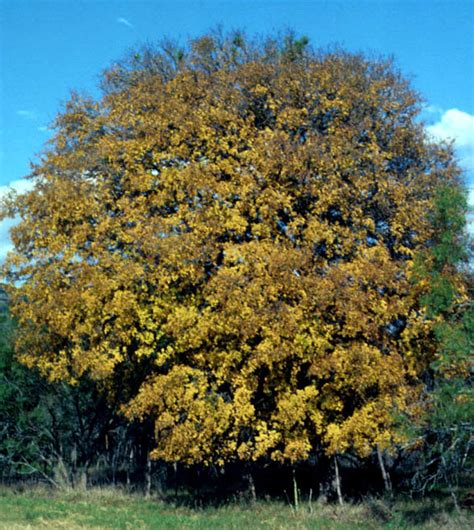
(48, 48)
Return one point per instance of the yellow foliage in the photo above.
(245, 229)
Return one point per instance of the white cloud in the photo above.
(470, 215)
(457, 125)
(20, 186)
(5, 242)
(43, 128)
(125, 22)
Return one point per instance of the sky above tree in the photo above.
(48, 48)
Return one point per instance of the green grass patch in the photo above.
(113, 509)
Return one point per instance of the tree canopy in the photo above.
(226, 241)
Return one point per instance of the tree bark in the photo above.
(295, 491)
(148, 477)
(337, 478)
(385, 475)
(129, 467)
(253, 491)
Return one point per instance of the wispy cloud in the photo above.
(432, 109)
(125, 22)
(43, 128)
(27, 114)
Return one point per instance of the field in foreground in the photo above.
(111, 509)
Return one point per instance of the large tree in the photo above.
(225, 240)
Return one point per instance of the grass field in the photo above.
(107, 509)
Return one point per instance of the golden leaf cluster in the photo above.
(245, 230)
